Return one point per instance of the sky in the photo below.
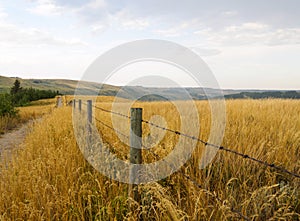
(247, 44)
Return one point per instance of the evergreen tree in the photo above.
(21, 97)
(16, 88)
(6, 106)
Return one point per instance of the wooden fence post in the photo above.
(79, 106)
(135, 150)
(89, 117)
(74, 104)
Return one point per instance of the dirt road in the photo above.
(13, 139)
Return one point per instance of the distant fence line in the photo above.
(136, 145)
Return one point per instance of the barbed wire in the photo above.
(107, 111)
(245, 156)
(110, 127)
(157, 156)
(198, 185)
(113, 112)
(178, 171)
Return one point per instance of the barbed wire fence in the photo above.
(187, 177)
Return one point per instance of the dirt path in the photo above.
(13, 139)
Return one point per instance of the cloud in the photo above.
(216, 14)
(179, 29)
(3, 13)
(251, 33)
(56, 7)
(284, 36)
(229, 13)
(239, 22)
(73, 3)
(98, 28)
(174, 31)
(170, 32)
(100, 17)
(46, 8)
(134, 23)
(164, 16)
(205, 51)
(15, 35)
(12, 35)
(91, 12)
(97, 4)
(249, 27)
(126, 20)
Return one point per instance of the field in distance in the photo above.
(65, 86)
(50, 179)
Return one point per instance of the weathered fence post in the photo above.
(89, 117)
(79, 106)
(74, 104)
(135, 151)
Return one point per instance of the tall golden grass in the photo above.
(35, 110)
(50, 180)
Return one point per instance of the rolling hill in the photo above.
(62, 85)
(65, 86)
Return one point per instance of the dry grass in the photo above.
(37, 109)
(50, 180)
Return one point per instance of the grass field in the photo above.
(35, 110)
(50, 179)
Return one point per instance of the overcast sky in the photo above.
(247, 44)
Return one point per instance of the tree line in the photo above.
(265, 95)
(19, 96)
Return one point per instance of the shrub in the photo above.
(6, 106)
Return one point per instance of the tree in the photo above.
(16, 88)
(23, 96)
(6, 106)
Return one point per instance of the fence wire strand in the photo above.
(113, 112)
(245, 156)
(179, 171)
(113, 129)
(199, 186)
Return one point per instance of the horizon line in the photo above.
(148, 86)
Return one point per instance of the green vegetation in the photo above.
(6, 106)
(68, 87)
(263, 95)
(18, 97)
(64, 86)
(22, 115)
(22, 97)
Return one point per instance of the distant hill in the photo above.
(264, 95)
(62, 85)
(146, 93)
